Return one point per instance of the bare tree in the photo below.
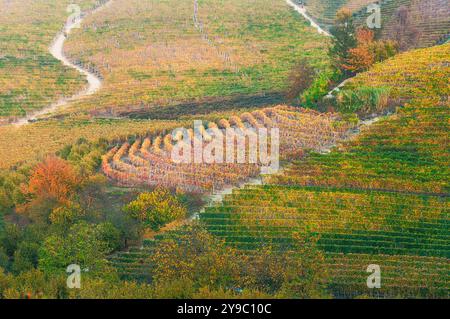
(404, 31)
(300, 79)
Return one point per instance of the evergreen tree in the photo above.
(344, 39)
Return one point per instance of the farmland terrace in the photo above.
(380, 198)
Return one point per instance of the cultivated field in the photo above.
(364, 173)
(30, 78)
(382, 196)
(234, 48)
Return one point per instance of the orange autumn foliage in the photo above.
(368, 51)
(361, 58)
(364, 37)
(52, 180)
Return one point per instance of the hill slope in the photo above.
(381, 198)
(429, 18)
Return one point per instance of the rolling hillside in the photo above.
(365, 170)
(242, 49)
(381, 198)
(429, 18)
(160, 67)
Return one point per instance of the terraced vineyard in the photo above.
(382, 197)
(429, 18)
(379, 225)
(148, 160)
(134, 263)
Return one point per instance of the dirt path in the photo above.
(57, 51)
(302, 10)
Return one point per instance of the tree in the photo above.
(195, 263)
(52, 183)
(197, 258)
(33, 284)
(66, 215)
(5, 282)
(25, 257)
(85, 244)
(293, 271)
(360, 58)
(305, 275)
(100, 288)
(10, 191)
(301, 78)
(9, 238)
(156, 209)
(367, 52)
(221, 293)
(383, 50)
(4, 259)
(344, 38)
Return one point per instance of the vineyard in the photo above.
(377, 225)
(428, 18)
(210, 162)
(188, 52)
(35, 141)
(382, 196)
(324, 11)
(148, 160)
(30, 78)
(177, 60)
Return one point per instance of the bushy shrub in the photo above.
(156, 209)
(368, 52)
(363, 100)
(312, 97)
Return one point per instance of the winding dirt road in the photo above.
(56, 49)
(302, 10)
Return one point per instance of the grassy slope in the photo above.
(371, 201)
(30, 78)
